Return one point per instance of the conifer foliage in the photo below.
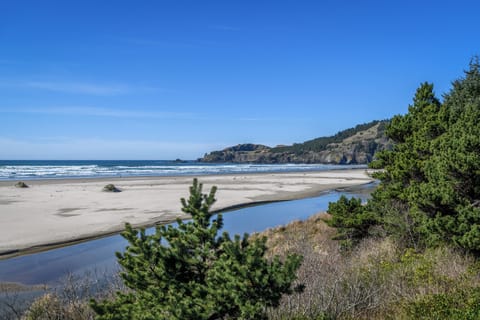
(431, 178)
(190, 272)
(352, 220)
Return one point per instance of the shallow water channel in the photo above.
(98, 255)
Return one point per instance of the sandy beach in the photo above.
(54, 212)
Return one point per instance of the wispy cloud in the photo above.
(81, 88)
(98, 112)
(224, 28)
(74, 148)
(160, 43)
(287, 118)
(252, 119)
(196, 44)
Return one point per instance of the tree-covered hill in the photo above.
(321, 144)
(356, 145)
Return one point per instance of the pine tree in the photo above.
(352, 220)
(403, 174)
(413, 135)
(451, 196)
(189, 272)
(430, 182)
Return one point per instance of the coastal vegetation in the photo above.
(189, 271)
(429, 192)
(21, 184)
(110, 188)
(379, 278)
(428, 199)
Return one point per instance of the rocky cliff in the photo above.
(352, 146)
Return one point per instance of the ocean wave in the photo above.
(90, 169)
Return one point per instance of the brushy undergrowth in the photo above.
(378, 279)
(458, 304)
(69, 300)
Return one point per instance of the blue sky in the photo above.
(173, 79)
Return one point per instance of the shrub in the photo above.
(21, 184)
(374, 280)
(69, 300)
(460, 304)
(111, 188)
(352, 220)
(46, 307)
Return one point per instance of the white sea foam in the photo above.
(15, 171)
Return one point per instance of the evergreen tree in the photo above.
(451, 196)
(464, 91)
(352, 220)
(413, 135)
(431, 178)
(402, 174)
(189, 272)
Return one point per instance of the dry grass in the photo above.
(373, 281)
(378, 279)
(17, 287)
(312, 231)
(69, 300)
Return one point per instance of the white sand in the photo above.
(58, 211)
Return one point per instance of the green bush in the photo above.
(21, 184)
(352, 220)
(456, 305)
(110, 188)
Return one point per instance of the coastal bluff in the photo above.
(356, 145)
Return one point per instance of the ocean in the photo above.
(62, 169)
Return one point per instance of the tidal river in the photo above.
(49, 267)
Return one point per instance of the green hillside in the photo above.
(320, 144)
(357, 145)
